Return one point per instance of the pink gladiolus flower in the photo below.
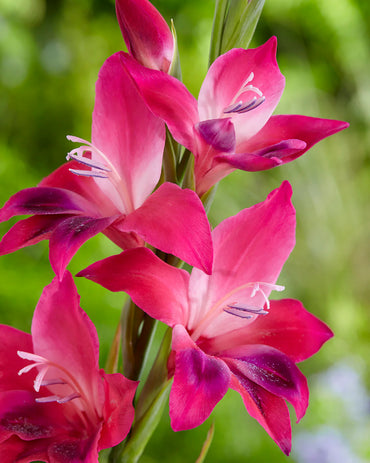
(231, 125)
(226, 331)
(55, 403)
(107, 187)
(146, 34)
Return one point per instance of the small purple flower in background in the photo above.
(231, 125)
(56, 405)
(226, 332)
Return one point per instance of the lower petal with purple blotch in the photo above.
(200, 382)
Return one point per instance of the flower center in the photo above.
(69, 385)
(238, 106)
(100, 170)
(245, 310)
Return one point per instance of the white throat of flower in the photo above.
(238, 106)
(99, 170)
(238, 309)
(75, 390)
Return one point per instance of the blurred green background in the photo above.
(50, 54)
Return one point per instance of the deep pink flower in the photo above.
(56, 405)
(231, 125)
(107, 187)
(226, 332)
(146, 34)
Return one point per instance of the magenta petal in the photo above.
(70, 235)
(265, 158)
(174, 221)
(169, 99)
(146, 34)
(200, 382)
(43, 200)
(57, 323)
(21, 415)
(269, 410)
(218, 133)
(272, 370)
(29, 231)
(12, 340)
(118, 410)
(309, 130)
(290, 328)
(227, 77)
(128, 133)
(158, 288)
(249, 247)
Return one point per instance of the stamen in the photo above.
(58, 399)
(239, 107)
(88, 173)
(75, 154)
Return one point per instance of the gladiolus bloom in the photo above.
(226, 331)
(146, 34)
(55, 403)
(231, 125)
(107, 187)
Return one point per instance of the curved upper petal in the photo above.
(129, 135)
(229, 80)
(57, 323)
(249, 247)
(173, 220)
(146, 34)
(169, 99)
(156, 287)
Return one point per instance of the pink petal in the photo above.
(157, 288)
(16, 450)
(29, 231)
(57, 323)
(169, 99)
(146, 34)
(200, 382)
(21, 415)
(69, 236)
(12, 340)
(219, 133)
(127, 132)
(265, 158)
(96, 201)
(249, 247)
(174, 221)
(226, 77)
(68, 449)
(43, 200)
(309, 130)
(288, 327)
(272, 370)
(118, 410)
(269, 410)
